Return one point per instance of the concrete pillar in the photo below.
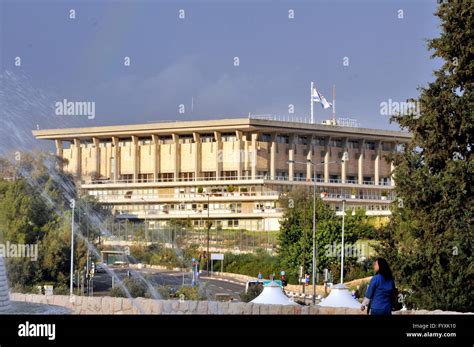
(309, 158)
(155, 151)
(77, 157)
(246, 152)
(344, 163)
(115, 164)
(59, 148)
(378, 149)
(96, 153)
(59, 153)
(176, 156)
(360, 170)
(219, 153)
(239, 144)
(326, 159)
(291, 157)
(253, 160)
(392, 179)
(273, 146)
(197, 156)
(135, 159)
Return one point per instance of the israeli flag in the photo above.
(317, 97)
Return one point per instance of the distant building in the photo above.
(235, 170)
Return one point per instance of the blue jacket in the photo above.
(380, 294)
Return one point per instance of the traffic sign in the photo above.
(217, 256)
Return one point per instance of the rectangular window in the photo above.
(229, 175)
(209, 175)
(186, 176)
(143, 178)
(370, 145)
(166, 177)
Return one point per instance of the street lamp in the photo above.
(208, 231)
(315, 249)
(342, 243)
(72, 205)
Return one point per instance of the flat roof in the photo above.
(221, 125)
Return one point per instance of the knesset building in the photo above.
(232, 171)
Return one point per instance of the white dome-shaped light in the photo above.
(272, 294)
(340, 297)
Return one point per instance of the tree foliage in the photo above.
(34, 210)
(429, 239)
(296, 233)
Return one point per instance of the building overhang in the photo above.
(221, 125)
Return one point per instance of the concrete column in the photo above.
(291, 157)
(378, 149)
(96, 149)
(309, 158)
(59, 148)
(343, 163)
(360, 170)
(176, 156)
(197, 155)
(155, 151)
(59, 153)
(219, 153)
(241, 156)
(135, 159)
(246, 152)
(273, 146)
(253, 160)
(326, 159)
(77, 157)
(392, 179)
(115, 164)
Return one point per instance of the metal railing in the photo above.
(229, 178)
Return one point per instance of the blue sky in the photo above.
(174, 60)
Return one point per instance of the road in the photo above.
(212, 286)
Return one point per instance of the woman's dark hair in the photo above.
(384, 269)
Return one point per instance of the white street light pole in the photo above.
(315, 248)
(342, 243)
(72, 205)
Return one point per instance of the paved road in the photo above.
(212, 286)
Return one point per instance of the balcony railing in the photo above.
(200, 196)
(228, 178)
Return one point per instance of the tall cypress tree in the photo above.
(429, 239)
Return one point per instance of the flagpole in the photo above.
(311, 99)
(334, 104)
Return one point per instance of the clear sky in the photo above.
(173, 60)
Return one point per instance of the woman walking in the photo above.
(380, 291)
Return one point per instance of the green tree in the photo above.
(34, 209)
(296, 233)
(429, 239)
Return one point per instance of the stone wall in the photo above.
(111, 305)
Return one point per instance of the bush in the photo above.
(135, 287)
(190, 293)
(251, 264)
(252, 293)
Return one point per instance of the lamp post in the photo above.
(145, 226)
(315, 249)
(72, 205)
(208, 231)
(342, 243)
